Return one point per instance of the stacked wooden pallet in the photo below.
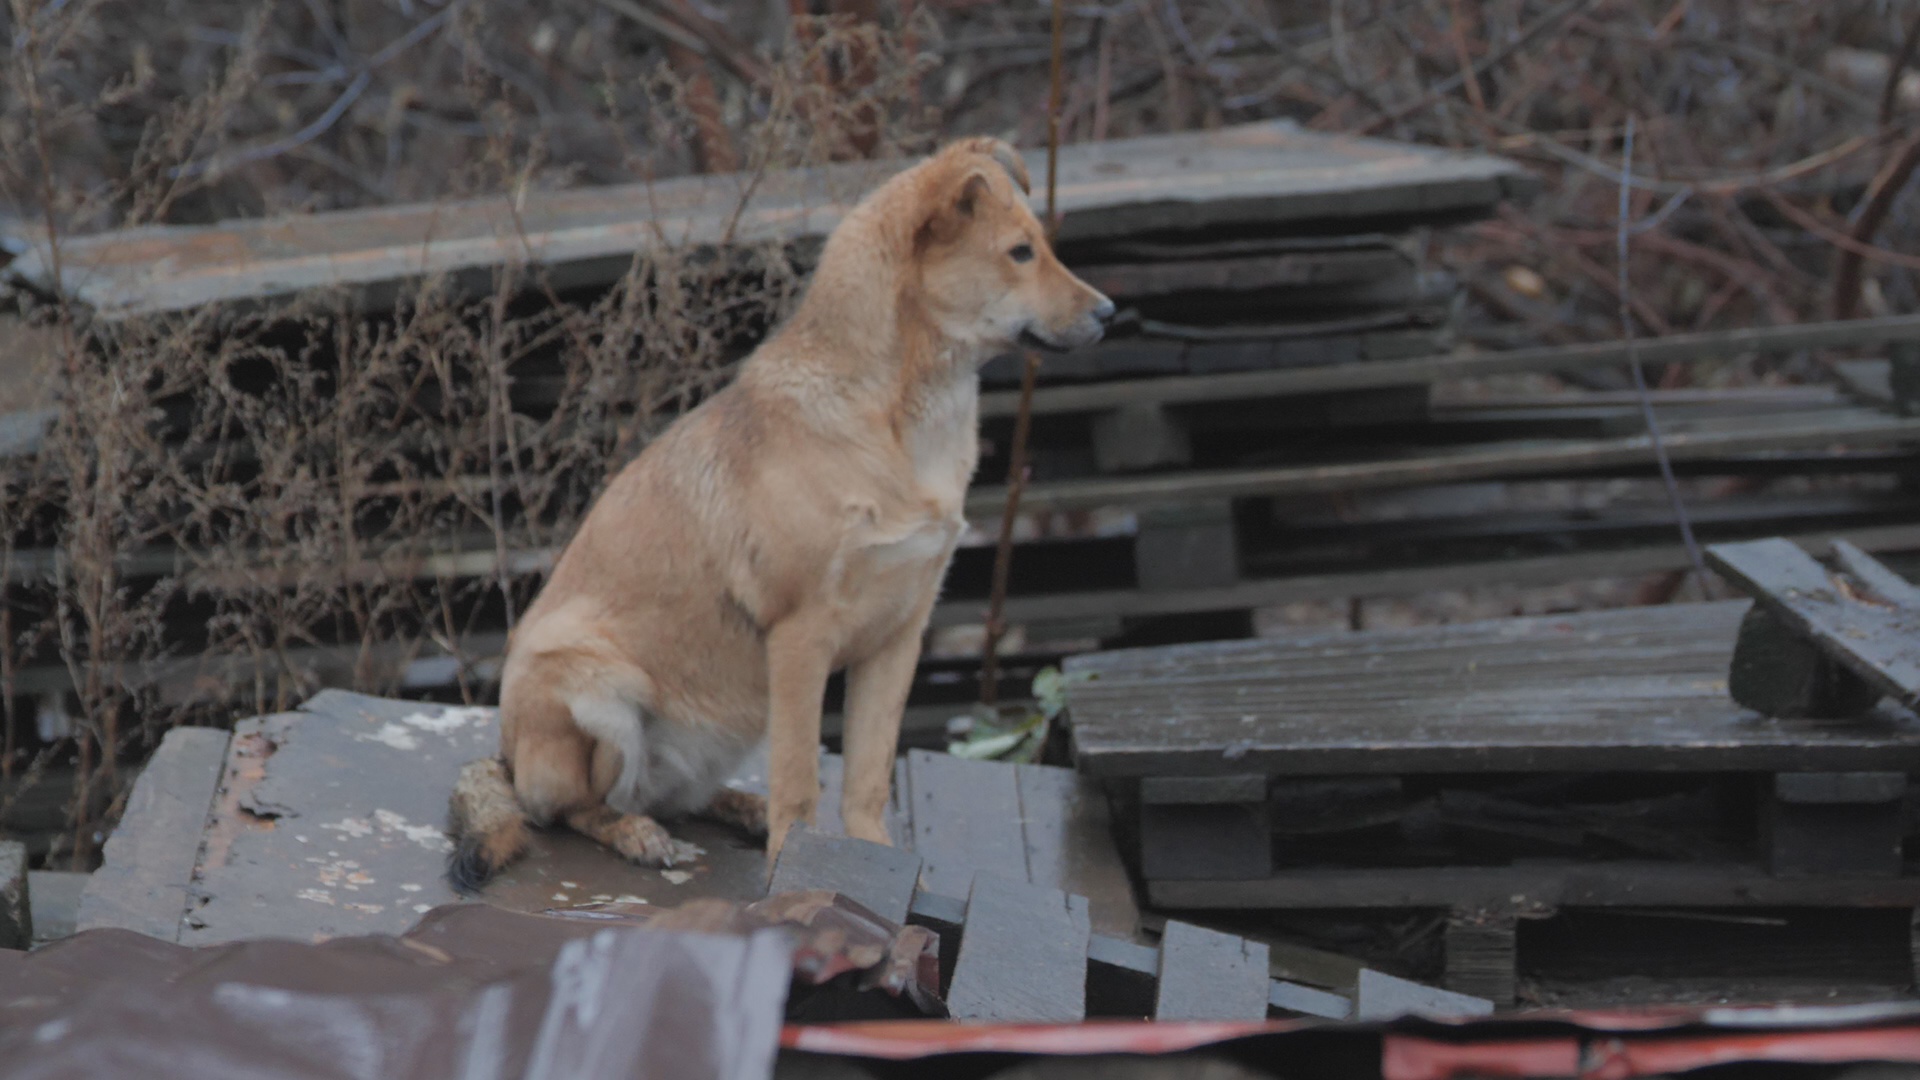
(1499, 771)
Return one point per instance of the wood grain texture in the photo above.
(1023, 955)
(149, 860)
(1630, 689)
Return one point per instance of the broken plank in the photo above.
(1880, 641)
(1023, 955)
(1208, 975)
(875, 876)
(148, 862)
(1068, 832)
(1387, 997)
(966, 820)
(1290, 997)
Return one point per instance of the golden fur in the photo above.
(796, 523)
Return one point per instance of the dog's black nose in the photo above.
(1104, 311)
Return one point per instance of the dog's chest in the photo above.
(943, 441)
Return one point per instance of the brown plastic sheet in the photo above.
(471, 993)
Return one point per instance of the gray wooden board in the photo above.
(55, 896)
(1676, 348)
(1265, 173)
(1629, 689)
(1569, 885)
(148, 863)
(966, 820)
(1069, 843)
(341, 833)
(1387, 997)
(1207, 975)
(1856, 428)
(1878, 638)
(1023, 954)
(878, 877)
(1289, 997)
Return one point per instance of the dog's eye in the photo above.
(1022, 253)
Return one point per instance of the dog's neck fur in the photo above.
(848, 350)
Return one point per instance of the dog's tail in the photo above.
(489, 826)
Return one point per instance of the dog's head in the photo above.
(991, 277)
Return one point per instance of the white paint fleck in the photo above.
(569, 884)
(601, 898)
(562, 897)
(409, 887)
(354, 827)
(676, 877)
(394, 735)
(52, 1031)
(318, 896)
(427, 836)
(629, 898)
(446, 721)
(300, 838)
(422, 909)
(369, 909)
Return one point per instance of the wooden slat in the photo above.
(1207, 975)
(1387, 997)
(1069, 841)
(1596, 884)
(1266, 172)
(1879, 641)
(1863, 428)
(1674, 349)
(878, 877)
(149, 860)
(965, 821)
(1636, 689)
(1023, 955)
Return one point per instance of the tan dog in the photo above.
(798, 522)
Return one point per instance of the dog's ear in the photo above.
(951, 214)
(1000, 151)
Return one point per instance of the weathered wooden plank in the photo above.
(878, 877)
(1873, 574)
(55, 896)
(1186, 546)
(966, 821)
(1865, 428)
(1387, 997)
(1068, 832)
(1835, 824)
(1634, 689)
(1563, 885)
(1023, 954)
(1879, 641)
(16, 901)
(1777, 671)
(1482, 957)
(148, 865)
(1293, 998)
(1207, 975)
(1673, 349)
(1294, 588)
(1266, 172)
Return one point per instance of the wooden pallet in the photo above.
(1233, 757)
